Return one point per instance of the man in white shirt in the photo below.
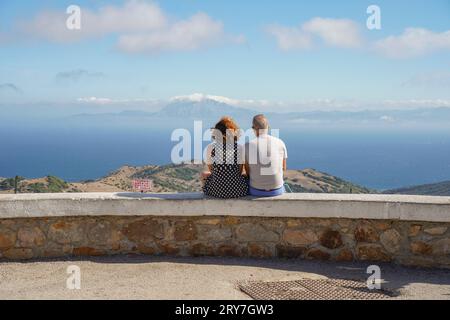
(265, 160)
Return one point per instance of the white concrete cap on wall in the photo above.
(301, 205)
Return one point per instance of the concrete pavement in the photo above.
(140, 277)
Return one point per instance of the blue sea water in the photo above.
(373, 159)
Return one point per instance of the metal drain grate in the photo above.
(308, 289)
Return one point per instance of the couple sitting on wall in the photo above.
(235, 170)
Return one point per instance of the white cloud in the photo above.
(198, 31)
(413, 42)
(387, 119)
(96, 100)
(76, 75)
(199, 97)
(244, 103)
(290, 38)
(133, 16)
(111, 101)
(141, 26)
(355, 105)
(322, 104)
(263, 105)
(343, 33)
(416, 103)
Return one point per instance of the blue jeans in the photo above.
(265, 193)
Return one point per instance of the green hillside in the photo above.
(431, 189)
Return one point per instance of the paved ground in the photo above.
(135, 277)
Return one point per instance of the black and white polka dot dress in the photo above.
(225, 181)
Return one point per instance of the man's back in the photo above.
(264, 156)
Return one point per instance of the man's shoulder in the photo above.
(256, 140)
(277, 140)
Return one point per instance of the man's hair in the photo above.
(260, 122)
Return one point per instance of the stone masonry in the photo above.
(425, 244)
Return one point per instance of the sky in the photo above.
(278, 55)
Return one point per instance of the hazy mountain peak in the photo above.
(201, 97)
(201, 106)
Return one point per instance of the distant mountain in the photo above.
(176, 111)
(212, 109)
(204, 109)
(432, 189)
(435, 114)
(179, 178)
(112, 115)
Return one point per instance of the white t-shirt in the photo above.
(265, 155)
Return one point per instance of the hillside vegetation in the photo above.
(48, 184)
(432, 189)
(176, 178)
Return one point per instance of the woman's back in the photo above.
(226, 180)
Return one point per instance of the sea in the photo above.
(375, 159)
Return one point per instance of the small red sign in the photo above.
(142, 185)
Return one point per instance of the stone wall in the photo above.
(418, 243)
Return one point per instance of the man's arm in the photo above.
(244, 159)
(247, 169)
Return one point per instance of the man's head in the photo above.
(260, 124)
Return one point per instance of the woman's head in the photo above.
(226, 128)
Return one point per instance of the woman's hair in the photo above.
(227, 128)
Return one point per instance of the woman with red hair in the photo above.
(225, 160)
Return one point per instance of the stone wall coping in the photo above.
(295, 205)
